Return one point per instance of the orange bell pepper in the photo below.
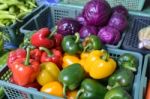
(53, 88)
(72, 94)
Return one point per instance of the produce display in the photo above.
(14, 10)
(71, 60)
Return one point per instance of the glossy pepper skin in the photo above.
(99, 64)
(53, 88)
(117, 93)
(69, 59)
(41, 38)
(25, 70)
(57, 38)
(71, 44)
(54, 56)
(36, 54)
(91, 89)
(92, 43)
(16, 54)
(71, 77)
(49, 72)
(122, 77)
(128, 61)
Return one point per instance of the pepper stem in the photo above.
(49, 53)
(53, 32)
(64, 90)
(105, 57)
(77, 37)
(79, 93)
(115, 85)
(86, 47)
(128, 66)
(27, 56)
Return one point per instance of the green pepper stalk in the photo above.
(71, 44)
(92, 43)
(117, 93)
(27, 57)
(122, 77)
(91, 89)
(128, 61)
(71, 77)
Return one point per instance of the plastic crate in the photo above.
(46, 2)
(144, 77)
(17, 92)
(50, 15)
(131, 40)
(129, 4)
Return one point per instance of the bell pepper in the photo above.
(129, 61)
(49, 72)
(71, 94)
(69, 59)
(16, 54)
(71, 77)
(71, 44)
(122, 77)
(99, 65)
(91, 89)
(54, 56)
(36, 54)
(53, 88)
(92, 42)
(41, 38)
(117, 93)
(25, 70)
(57, 40)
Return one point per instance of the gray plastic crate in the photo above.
(144, 76)
(50, 15)
(17, 92)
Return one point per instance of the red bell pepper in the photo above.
(54, 56)
(58, 39)
(35, 54)
(25, 70)
(16, 54)
(41, 38)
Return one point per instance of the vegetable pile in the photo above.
(14, 10)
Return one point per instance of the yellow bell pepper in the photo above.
(53, 88)
(49, 72)
(69, 59)
(99, 65)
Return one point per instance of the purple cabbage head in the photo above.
(97, 12)
(81, 20)
(121, 10)
(109, 35)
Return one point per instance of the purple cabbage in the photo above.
(87, 31)
(109, 35)
(81, 20)
(68, 26)
(121, 10)
(97, 12)
(118, 21)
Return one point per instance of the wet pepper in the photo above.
(92, 43)
(36, 54)
(54, 56)
(42, 38)
(71, 77)
(91, 89)
(16, 54)
(128, 61)
(25, 70)
(117, 93)
(49, 72)
(122, 77)
(71, 44)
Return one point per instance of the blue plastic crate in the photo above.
(47, 2)
(17, 92)
(144, 76)
(53, 13)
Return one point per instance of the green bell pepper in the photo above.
(117, 93)
(122, 77)
(92, 43)
(128, 61)
(3, 60)
(71, 44)
(91, 89)
(71, 77)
